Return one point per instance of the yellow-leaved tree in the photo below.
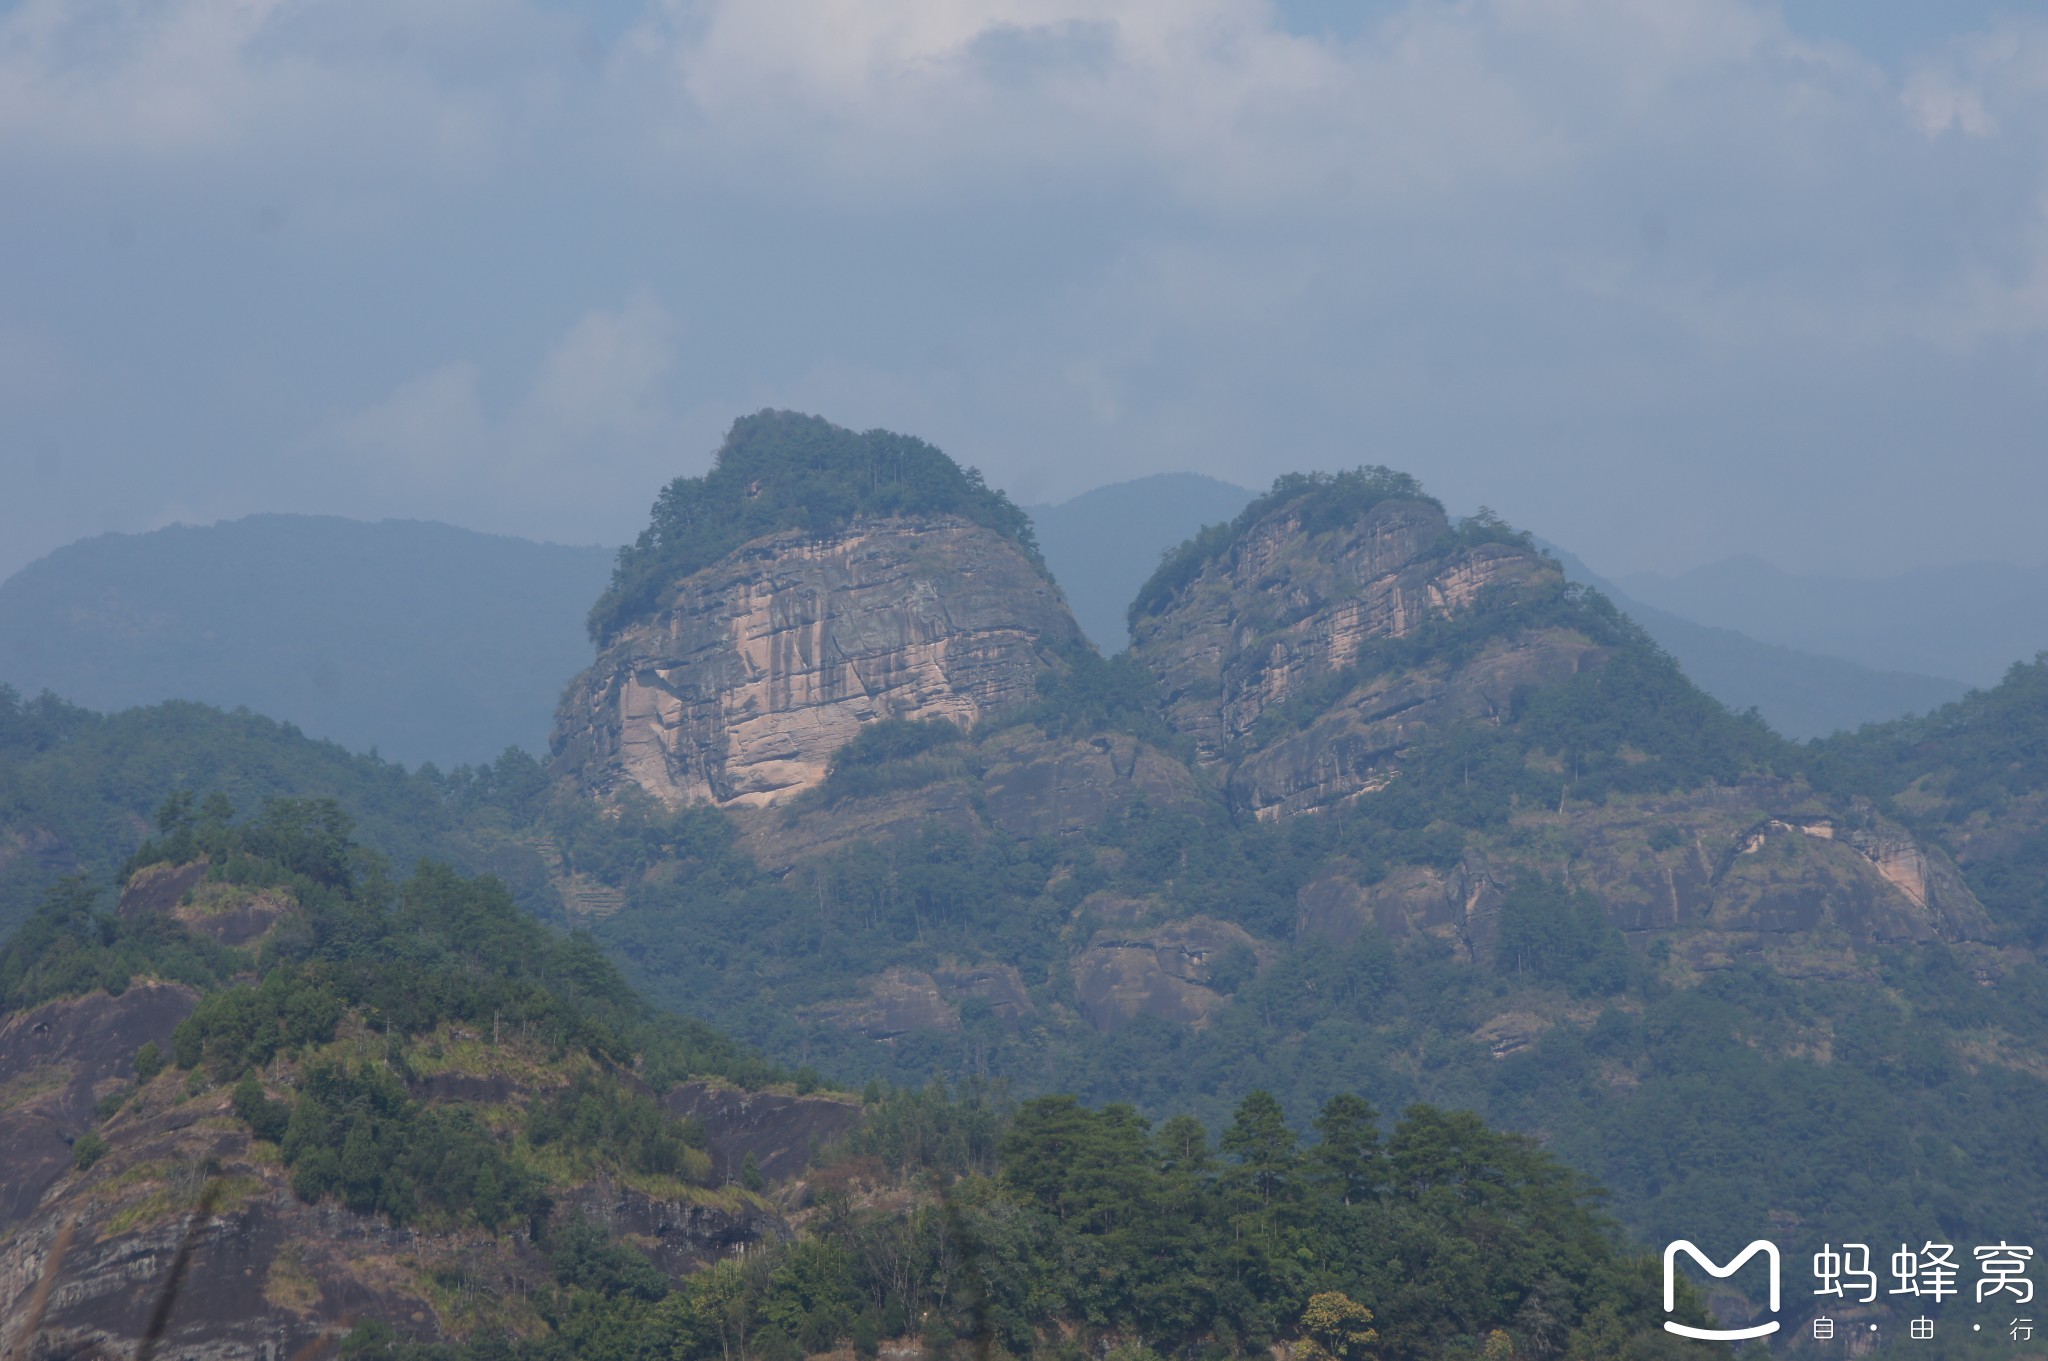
(1336, 1327)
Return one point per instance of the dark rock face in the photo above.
(1340, 902)
(1036, 786)
(1354, 748)
(902, 1000)
(263, 1274)
(679, 1236)
(764, 664)
(89, 1257)
(780, 1132)
(156, 890)
(1285, 614)
(228, 913)
(1164, 972)
(56, 1062)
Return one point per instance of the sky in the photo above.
(1664, 280)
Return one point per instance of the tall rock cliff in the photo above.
(731, 669)
(1269, 639)
(759, 667)
(1342, 637)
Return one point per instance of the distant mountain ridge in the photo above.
(1967, 620)
(1801, 694)
(423, 641)
(428, 642)
(1103, 544)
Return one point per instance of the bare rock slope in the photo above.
(1262, 629)
(756, 669)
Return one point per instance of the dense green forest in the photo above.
(783, 470)
(1027, 1227)
(78, 791)
(1042, 1228)
(1702, 1109)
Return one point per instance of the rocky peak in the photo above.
(1265, 636)
(750, 668)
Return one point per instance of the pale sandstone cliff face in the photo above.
(761, 666)
(1284, 612)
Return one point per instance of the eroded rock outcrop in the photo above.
(1761, 870)
(1175, 972)
(88, 1266)
(1454, 904)
(187, 1217)
(778, 1131)
(1260, 651)
(56, 1062)
(756, 669)
(902, 1000)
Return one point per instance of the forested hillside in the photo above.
(1974, 775)
(1377, 807)
(1489, 849)
(415, 1121)
(79, 790)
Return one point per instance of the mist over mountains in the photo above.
(423, 641)
(1802, 694)
(427, 642)
(1968, 620)
(1104, 543)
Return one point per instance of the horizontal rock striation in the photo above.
(758, 668)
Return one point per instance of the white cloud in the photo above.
(594, 418)
(1071, 239)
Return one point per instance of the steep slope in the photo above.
(739, 676)
(1342, 641)
(1267, 635)
(1742, 985)
(422, 641)
(276, 1103)
(274, 1095)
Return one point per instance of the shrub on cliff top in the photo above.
(1326, 501)
(783, 470)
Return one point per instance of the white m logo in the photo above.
(1671, 1252)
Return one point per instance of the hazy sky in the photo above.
(1663, 279)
